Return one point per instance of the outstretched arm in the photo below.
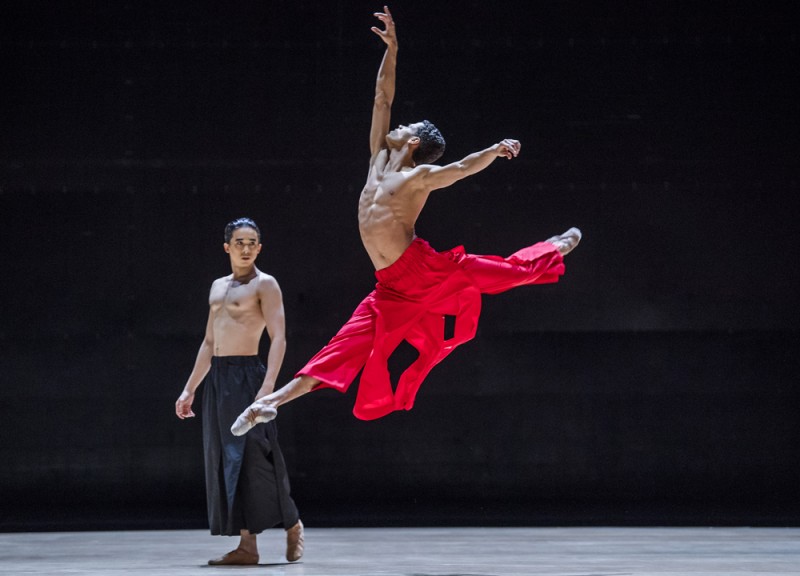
(435, 177)
(272, 309)
(384, 85)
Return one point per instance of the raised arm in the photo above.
(434, 177)
(384, 85)
(272, 308)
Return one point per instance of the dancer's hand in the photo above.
(508, 148)
(183, 406)
(388, 35)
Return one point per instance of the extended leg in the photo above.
(266, 408)
(338, 363)
(536, 264)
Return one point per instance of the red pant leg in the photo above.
(340, 361)
(538, 264)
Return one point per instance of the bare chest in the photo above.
(384, 189)
(234, 298)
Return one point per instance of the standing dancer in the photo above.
(247, 486)
(417, 286)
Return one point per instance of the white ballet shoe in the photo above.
(255, 414)
(567, 241)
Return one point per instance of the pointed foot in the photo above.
(567, 241)
(256, 413)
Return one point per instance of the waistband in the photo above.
(405, 263)
(236, 360)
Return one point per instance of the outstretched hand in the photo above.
(388, 34)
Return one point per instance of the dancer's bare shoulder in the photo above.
(267, 284)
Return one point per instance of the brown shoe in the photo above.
(294, 542)
(236, 557)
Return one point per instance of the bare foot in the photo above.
(567, 241)
(256, 413)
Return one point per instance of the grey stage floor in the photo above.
(418, 552)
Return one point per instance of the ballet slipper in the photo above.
(567, 241)
(255, 414)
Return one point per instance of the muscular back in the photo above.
(388, 209)
(238, 320)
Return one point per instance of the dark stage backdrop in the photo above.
(656, 383)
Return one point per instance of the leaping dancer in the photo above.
(416, 286)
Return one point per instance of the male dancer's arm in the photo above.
(384, 85)
(275, 320)
(202, 364)
(434, 177)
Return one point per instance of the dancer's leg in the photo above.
(536, 264)
(266, 408)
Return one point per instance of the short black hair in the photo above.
(431, 144)
(240, 223)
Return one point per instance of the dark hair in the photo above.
(240, 223)
(431, 144)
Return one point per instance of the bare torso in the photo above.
(387, 211)
(238, 321)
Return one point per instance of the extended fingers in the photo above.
(385, 17)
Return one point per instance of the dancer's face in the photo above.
(402, 134)
(243, 247)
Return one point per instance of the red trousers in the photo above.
(410, 301)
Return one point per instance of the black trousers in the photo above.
(247, 486)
